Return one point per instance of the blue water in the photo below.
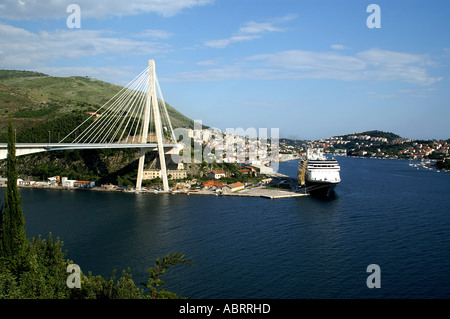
(384, 212)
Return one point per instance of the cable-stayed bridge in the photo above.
(133, 118)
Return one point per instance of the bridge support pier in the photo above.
(140, 171)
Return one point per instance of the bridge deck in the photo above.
(30, 148)
(84, 145)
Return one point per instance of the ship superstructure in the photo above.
(317, 173)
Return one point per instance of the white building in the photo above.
(84, 184)
(150, 174)
(263, 169)
(235, 187)
(4, 181)
(67, 182)
(217, 174)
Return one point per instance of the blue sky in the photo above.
(313, 69)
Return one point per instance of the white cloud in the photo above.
(223, 43)
(300, 60)
(255, 27)
(370, 65)
(154, 34)
(339, 47)
(54, 9)
(207, 62)
(24, 49)
(250, 31)
(384, 65)
(210, 75)
(111, 74)
(380, 57)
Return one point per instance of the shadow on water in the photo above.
(331, 196)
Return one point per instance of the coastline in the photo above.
(254, 191)
(261, 191)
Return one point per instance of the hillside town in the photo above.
(364, 145)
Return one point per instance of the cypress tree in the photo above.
(13, 232)
(1, 229)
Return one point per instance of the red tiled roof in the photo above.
(208, 183)
(212, 183)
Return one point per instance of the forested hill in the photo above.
(38, 103)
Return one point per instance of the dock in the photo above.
(263, 192)
(267, 193)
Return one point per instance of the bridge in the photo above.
(133, 118)
(31, 148)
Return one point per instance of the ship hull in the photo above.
(321, 189)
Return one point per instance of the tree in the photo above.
(37, 268)
(1, 229)
(13, 243)
(160, 267)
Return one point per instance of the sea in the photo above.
(384, 214)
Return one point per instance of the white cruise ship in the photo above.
(317, 173)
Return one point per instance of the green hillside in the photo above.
(376, 133)
(38, 103)
(389, 135)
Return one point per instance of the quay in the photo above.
(270, 193)
(284, 187)
(261, 191)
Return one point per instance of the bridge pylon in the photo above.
(151, 106)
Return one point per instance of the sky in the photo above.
(313, 69)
